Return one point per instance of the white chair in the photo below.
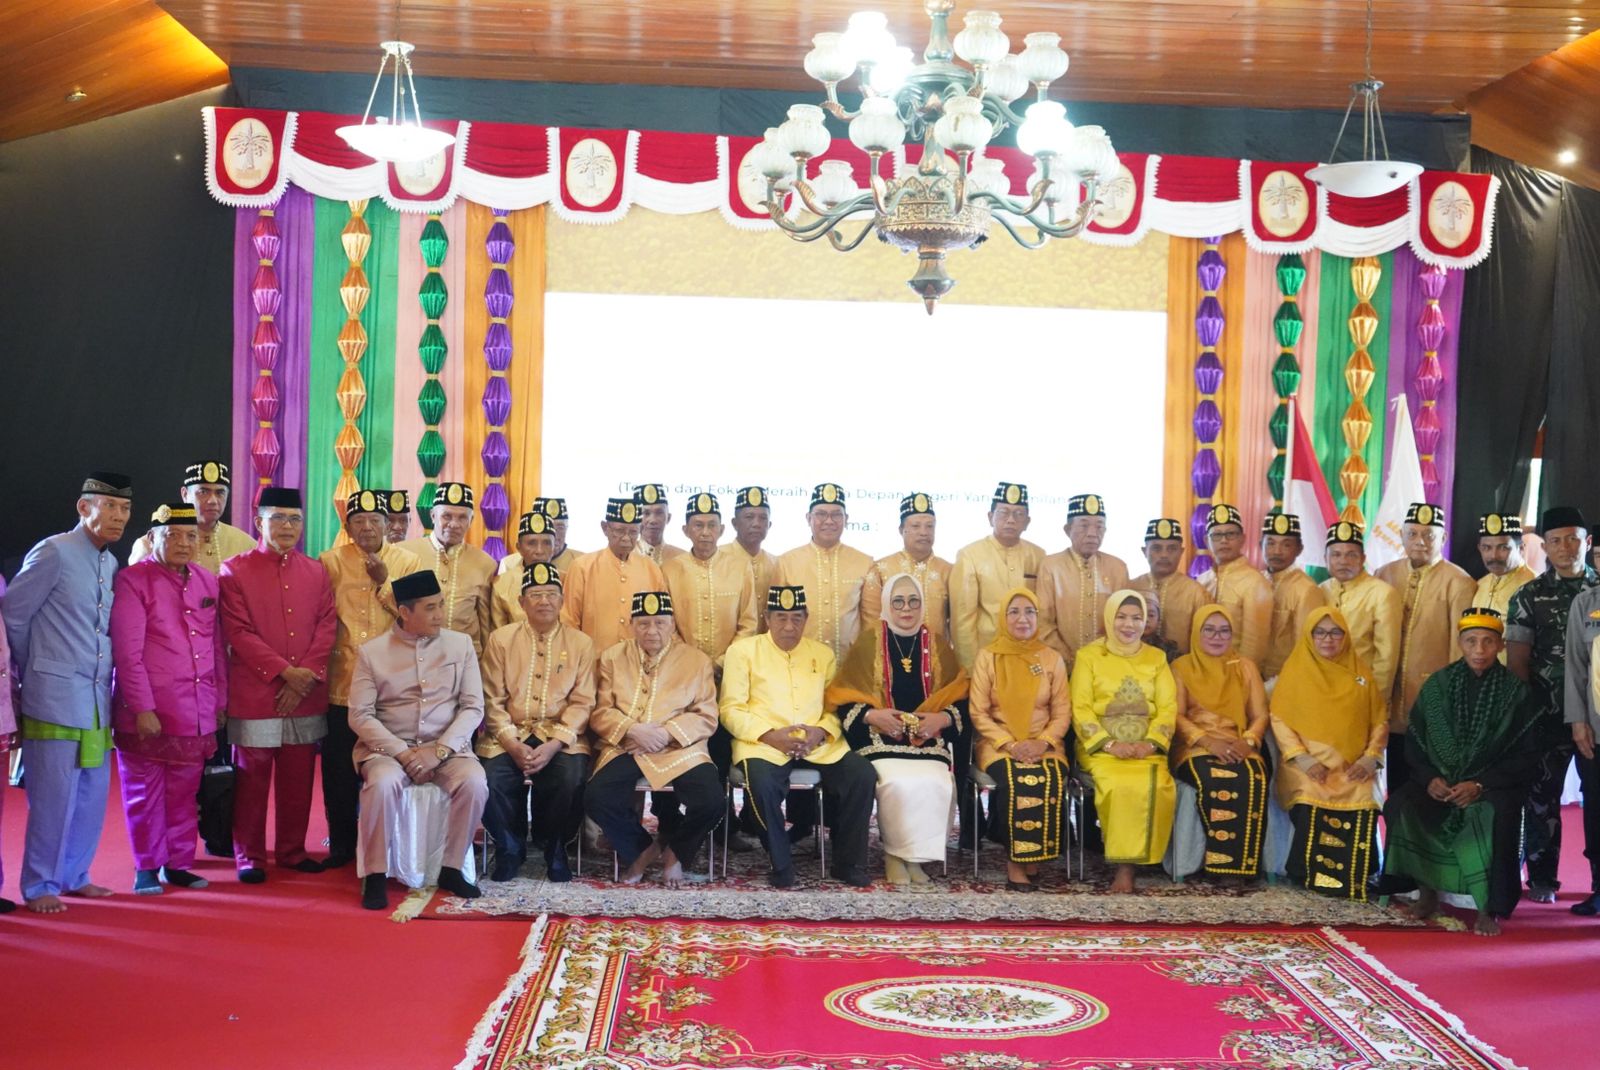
(799, 780)
(1072, 793)
(416, 837)
(641, 786)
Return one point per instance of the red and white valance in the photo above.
(595, 176)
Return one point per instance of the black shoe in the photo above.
(854, 876)
(1587, 908)
(375, 892)
(308, 865)
(146, 882)
(801, 832)
(7, 906)
(782, 878)
(556, 867)
(182, 878)
(252, 876)
(1021, 886)
(452, 880)
(337, 859)
(506, 867)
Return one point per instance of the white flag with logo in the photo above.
(1385, 541)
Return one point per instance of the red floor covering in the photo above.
(293, 974)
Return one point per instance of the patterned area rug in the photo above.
(608, 995)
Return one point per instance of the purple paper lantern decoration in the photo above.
(265, 342)
(1429, 380)
(495, 508)
(1206, 473)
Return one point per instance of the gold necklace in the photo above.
(905, 658)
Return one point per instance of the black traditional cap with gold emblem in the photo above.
(703, 504)
(650, 494)
(280, 498)
(540, 574)
(1085, 505)
(1491, 525)
(365, 501)
(1425, 513)
(395, 502)
(417, 585)
(918, 504)
(1345, 531)
(827, 494)
(1222, 514)
(652, 604)
(174, 515)
(1280, 524)
(1163, 528)
(751, 498)
(784, 598)
(213, 472)
(554, 508)
(535, 524)
(1481, 617)
(108, 484)
(1010, 494)
(453, 494)
(622, 511)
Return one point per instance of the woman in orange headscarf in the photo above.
(1021, 711)
(1331, 726)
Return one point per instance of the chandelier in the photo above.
(394, 138)
(1368, 176)
(955, 193)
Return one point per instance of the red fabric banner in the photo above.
(1122, 199)
(677, 158)
(1283, 205)
(1453, 212)
(430, 179)
(247, 156)
(508, 150)
(1202, 179)
(591, 169)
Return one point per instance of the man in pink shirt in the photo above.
(278, 618)
(171, 689)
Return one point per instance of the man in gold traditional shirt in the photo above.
(772, 687)
(985, 570)
(536, 542)
(538, 694)
(1370, 607)
(206, 485)
(715, 601)
(397, 514)
(1233, 582)
(752, 519)
(600, 587)
(554, 510)
(655, 709)
(916, 560)
(830, 572)
(466, 573)
(362, 572)
(1176, 594)
(1075, 583)
(1294, 593)
(654, 515)
(1500, 546)
(1435, 593)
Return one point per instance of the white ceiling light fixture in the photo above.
(1566, 156)
(396, 137)
(1369, 176)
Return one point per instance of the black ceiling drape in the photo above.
(1571, 432)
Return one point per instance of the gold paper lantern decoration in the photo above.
(1365, 274)
(351, 393)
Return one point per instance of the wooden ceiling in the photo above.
(1546, 114)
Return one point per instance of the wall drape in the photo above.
(1572, 414)
(1252, 396)
(1336, 300)
(1405, 358)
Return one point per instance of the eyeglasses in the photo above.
(1223, 632)
(542, 596)
(292, 519)
(905, 603)
(1326, 633)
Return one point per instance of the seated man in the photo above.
(415, 700)
(655, 709)
(772, 686)
(1454, 824)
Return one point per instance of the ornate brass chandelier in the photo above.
(949, 201)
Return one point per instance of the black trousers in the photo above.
(1589, 777)
(695, 801)
(557, 795)
(1541, 824)
(1397, 769)
(341, 783)
(848, 788)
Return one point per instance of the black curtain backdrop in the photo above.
(1571, 434)
(117, 305)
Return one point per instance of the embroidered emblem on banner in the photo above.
(422, 177)
(248, 153)
(592, 172)
(1451, 214)
(1283, 204)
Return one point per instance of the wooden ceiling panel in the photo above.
(1546, 109)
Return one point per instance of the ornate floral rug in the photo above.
(685, 995)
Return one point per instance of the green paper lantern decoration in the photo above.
(432, 349)
(1287, 326)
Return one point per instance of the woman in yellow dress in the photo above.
(1222, 719)
(1127, 709)
(1021, 712)
(1332, 728)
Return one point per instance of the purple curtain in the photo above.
(1405, 358)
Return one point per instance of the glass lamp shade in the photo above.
(878, 127)
(772, 159)
(1042, 59)
(834, 183)
(1006, 81)
(868, 38)
(395, 142)
(830, 60)
(963, 127)
(1045, 131)
(1092, 155)
(989, 176)
(890, 72)
(803, 135)
(1364, 178)
(982, 43)
(1063, 189)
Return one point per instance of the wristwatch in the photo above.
(443, 751)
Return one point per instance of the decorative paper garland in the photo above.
(1365, 273)
(349, 446)
(265, 297)
(495, 507)
(1429, 379)
(1287, 324)
(432, 348)
(1207, 470)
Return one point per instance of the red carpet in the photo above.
(293, 973)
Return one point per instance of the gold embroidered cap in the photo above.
(1163, 527)
(395, 501)
(703, 504)
(1222, 514)
(1085, 505)
(827, 494)
(1010, 494)
(364, 501)
(784, 598)
(751, 498)
(1425, 513)
(1344, 531)
(540, 574)
(214, 472)
(174, 514)
(1492, 524)
(918, 504)
(1481, 617)
(622, 511)
(535, 524)
(650, 494)
(554, 508)
(453, 494)
(1280, 524)
(652, 604)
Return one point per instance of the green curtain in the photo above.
(1337, 300)
(377, 367)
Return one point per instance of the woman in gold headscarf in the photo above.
(1222, 719)
(901, 696)
(1332, 728)
(1127, 707)
(1021, 712)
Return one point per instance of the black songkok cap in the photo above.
(535, 524)
(417, 585)
(703, 504)
(175, 514)
(395, 502)
(622, 511)
(453, 494)
(1561, 516)
(1222, 514)
(1492, 524)
(1163, 527)
(1425, 513)
(918, 504)
(652, 604)
(110, 484)
(650, 494)
(1280, 524)
(207, 472)
(554, 508)
(365, 501)
(280, 498)
(751, 498)
(827, 494)
(782, 599)
(540, 574)
(1085, 505)
(1010, 494)
(1345, 531)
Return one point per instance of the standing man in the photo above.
(206, 485)
(1075, 583)
(536, 542)
(1435, 594)
(415, 700)
(361, 573)
(1500, 546)
(465, 573)
(1536, 650)
(653, 517)
(538, 692)
(599, 589)
(830, 571)
(655, 710)
(1582, 713)
(58, 620)
(171, 691)
(278, 617)
(1294, 593)
(752, 519)
(1234, 583)
(916, 560)
(772, 688)
(396, 515)
(985, 570)
(1370, 607)
(1177, 595)
(715, 602)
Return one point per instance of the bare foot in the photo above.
(1485, 925)
(1425, 906)
(671, 869)
(1032, 868)
(1017, 873)
(46, 904)
(635, 872)
(1123, 884)
(91, 891)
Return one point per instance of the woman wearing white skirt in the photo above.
(902, 698)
